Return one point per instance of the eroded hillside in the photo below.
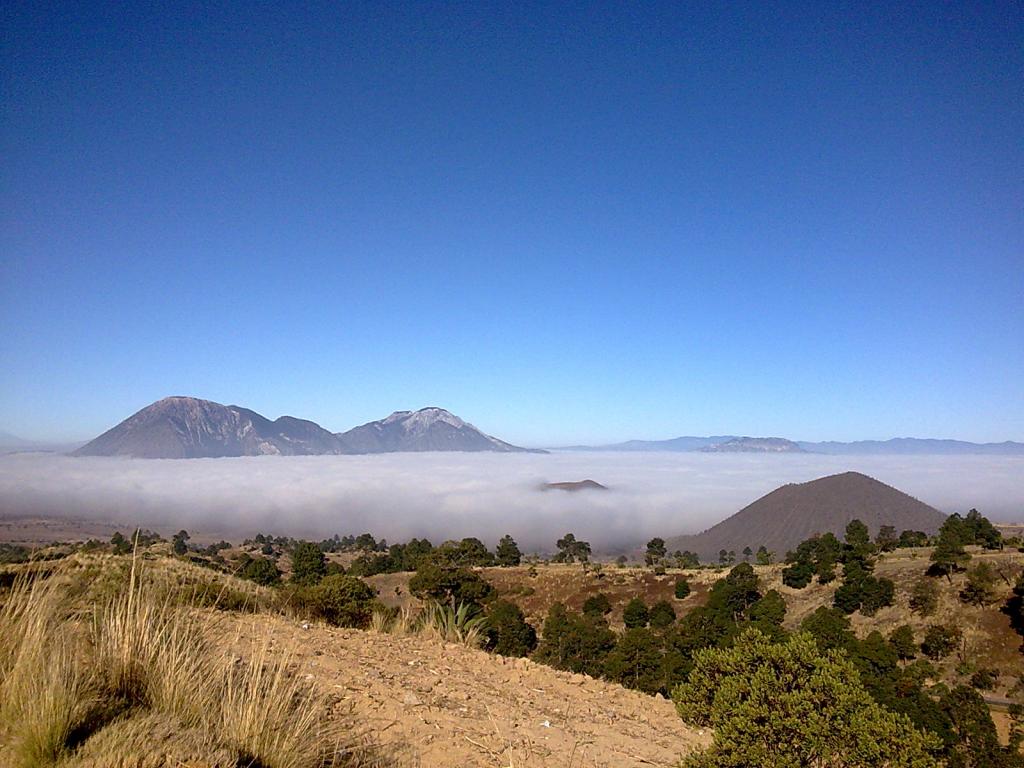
(441, 705)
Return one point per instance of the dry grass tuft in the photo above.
(84, 689)
(404, 622)
(45, 693)
(382, 621)
(266, 717)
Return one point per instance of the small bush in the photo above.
(597, 605)
(984, 679)
(682, 589)
(308, 563)
(507, 631)
(261, 570)
(662, 614)
(939, 640)
(449, 584)
(342, 600)
(924, 597)
(902, 641)
(635, 614)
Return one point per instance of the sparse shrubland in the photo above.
(121, 653)
(125, 660)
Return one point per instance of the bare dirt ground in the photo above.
(442, 705)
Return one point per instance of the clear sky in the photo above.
(564, 222)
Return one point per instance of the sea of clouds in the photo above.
(443, 495)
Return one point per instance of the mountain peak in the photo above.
(424, 418)
(180, 427)
(791, 513)
(427, 429)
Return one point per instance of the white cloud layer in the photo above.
(442, 495)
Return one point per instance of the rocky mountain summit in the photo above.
(428, 429)
(187, 428)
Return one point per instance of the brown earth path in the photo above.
(446, 705)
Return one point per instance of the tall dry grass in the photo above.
(45, 691)
(458, 625)
(70, 673)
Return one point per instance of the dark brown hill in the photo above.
(794, 512)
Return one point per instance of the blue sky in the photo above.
(564, 222)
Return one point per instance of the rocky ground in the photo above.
(438, 704)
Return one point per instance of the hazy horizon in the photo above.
(441, 495)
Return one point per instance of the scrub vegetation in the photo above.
(853, 651)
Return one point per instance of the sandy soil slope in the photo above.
(447, 705)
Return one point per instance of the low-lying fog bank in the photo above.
(440, 495)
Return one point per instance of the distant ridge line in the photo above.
(907, 446)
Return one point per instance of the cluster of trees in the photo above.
(397, 558)
(122, 545)
(656, 650)
(261, 570)
(950, 555)
(892, 673)
(318, 588)
(818, 557)
(861, 589)
(657, 555)
(571, 550)
(831, 698)
(364, 542)
(469, 553)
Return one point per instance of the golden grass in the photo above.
(381, 621)
(435, 621)
(74, 671)
(265, 716)
(404, 623)
(146, 654)
(398, 622)
(452, 625)
(45, 692)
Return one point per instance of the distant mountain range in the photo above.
(794, 512)
(737, 444)
(187, 427)
(915, 445)
(753, 445)
(13, 444)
